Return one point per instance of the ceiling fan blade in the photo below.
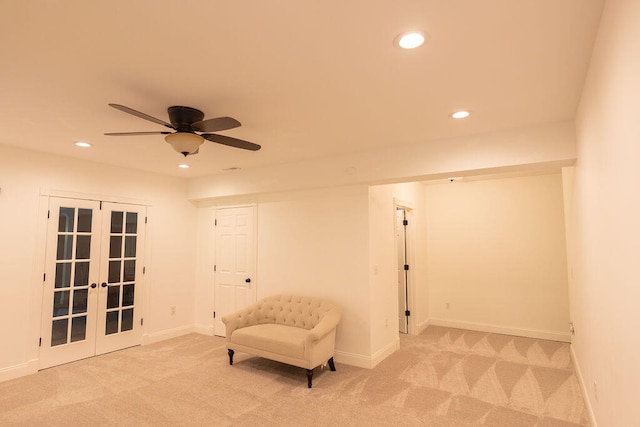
(231, 142)
(136, 133)
(215, 125)
(141, 115)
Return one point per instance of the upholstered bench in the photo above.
(299, 331)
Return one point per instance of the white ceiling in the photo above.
(307, 79)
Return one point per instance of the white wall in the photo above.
(383, 264)
(605, 226)
(340, 243)
(496, 255)
(310, 243)
(337, 243)
(321, 242)
(170, 245)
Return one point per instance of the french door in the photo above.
(92, 282)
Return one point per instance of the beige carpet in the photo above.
(443, 377)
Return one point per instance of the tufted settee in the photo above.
(299, 331)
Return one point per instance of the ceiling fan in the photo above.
(189, 125)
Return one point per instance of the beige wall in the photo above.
(319, 241)
(340, 243)
(326, 242)
(311, 243)
(370, 297)
(315, 243)
(605, 226)
(170, 255)
(496, 255)
(383, 276)
(336, 243)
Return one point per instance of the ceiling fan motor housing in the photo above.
(183, 117)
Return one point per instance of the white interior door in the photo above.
(235, 262)
(119, 314)
(92, 276)
(70, 297)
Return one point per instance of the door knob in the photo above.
(104, 284)
(94, 285)
(248, 280)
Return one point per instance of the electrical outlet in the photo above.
(173, 310)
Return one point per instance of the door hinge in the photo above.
(215, 268)
(406, 267)
(44, 277)
(100, 204)
(40, 342)
(214, 314)
(407, 313)
(405, 222)
(48, 214)
(145, 219)
(144, 270)
(141, 321)
(215, 222)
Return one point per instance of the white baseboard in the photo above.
(421, 327)
(20, 370)
(496, 329)
(583, 387)
(167, 334)
(367, 362)
(385, 352)
(204, 330)
(352, 359)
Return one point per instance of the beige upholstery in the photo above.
(296, 330)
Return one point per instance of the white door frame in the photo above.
(410, 256)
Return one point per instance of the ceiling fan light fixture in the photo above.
(184, 143)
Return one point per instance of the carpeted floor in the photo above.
(442, 377)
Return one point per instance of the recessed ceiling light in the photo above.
(83, 144)
(183, 166)
(460, 114)
(410, 40)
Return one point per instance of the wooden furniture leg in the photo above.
(309, 376)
